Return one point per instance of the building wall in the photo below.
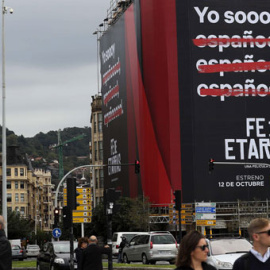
(96, 148)
(30, 194)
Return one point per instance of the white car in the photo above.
(224, 252)
(32, 250)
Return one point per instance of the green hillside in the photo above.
(39, 151)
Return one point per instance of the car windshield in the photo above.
(162, 239)
(226, 246)
(63, 247)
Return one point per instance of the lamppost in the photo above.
(4, 139)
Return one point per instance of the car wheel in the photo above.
(21, 259)
(172, 262)
(144, 259)
(152, 262)
(125, 259)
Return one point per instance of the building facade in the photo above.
(96, 149)
(29, 192)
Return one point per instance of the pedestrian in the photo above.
(258, 258)
(192, 253)
(92, 255)
(5, 248)
(82, 244)
(121, 247)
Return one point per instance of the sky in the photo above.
(50, 63)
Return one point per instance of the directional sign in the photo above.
(205, 216)
(206, 222)
(84, 208)
(81, 214)
(205, 209)
(56, 233)
(82, 220)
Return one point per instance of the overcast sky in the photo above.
(51, 63)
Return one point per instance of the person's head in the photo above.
(92, 239)
(83, 242)
(2, 223)
(259, 232)
(193, 247)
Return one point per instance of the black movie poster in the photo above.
(224, 87)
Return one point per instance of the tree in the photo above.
(18, 227)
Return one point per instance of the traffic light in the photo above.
(177, 199)
(67, 217)
(72, 193)
(56, 216)
(211, 165)
(137, 166)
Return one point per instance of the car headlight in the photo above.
(223, 265)
(59, 261)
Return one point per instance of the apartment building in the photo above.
(29, 191)
(96, 149)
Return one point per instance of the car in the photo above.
(55, 256)
(224, 252)
(117, 238)
(150, 248)
(18, 253)
(32, 250)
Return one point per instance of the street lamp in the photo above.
(4, 139)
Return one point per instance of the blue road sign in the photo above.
(203, 209)
(56, 233)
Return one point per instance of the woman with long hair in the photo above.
(192, 253)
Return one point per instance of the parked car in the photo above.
(18, 253)
(56, 256)
(32, 250)
(150, 248)
(224, 252)
(117, 238)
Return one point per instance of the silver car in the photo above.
(225, 251)
(150, 248)
(32, 250)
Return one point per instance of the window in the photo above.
(16, 172)
(9, 197)
(16, 197)
(95, 123)
(101, 178)
(8, 185)
(96, 151)
(100, 149)
(96, 176)
(22, 185)
(16, 184)
(22, 197)
(22, 210)
(100, 122)
(21, 171)
(8, 172)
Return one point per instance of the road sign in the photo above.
(82, 220)
(81, 214)
(206, 222)
(205, 209)
(205, 216)
(56, 233)
(84, 208)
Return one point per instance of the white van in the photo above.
(117, 238)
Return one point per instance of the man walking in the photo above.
(92, 255)
(259, 256)
(5, 248)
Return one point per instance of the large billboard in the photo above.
(194, 84)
